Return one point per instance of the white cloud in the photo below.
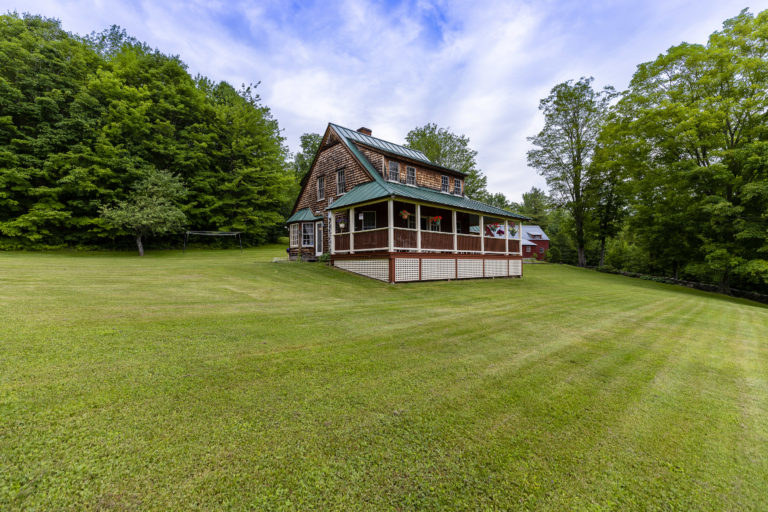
(479, 68)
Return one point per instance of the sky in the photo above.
(478, 68)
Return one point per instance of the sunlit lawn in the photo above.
(216, 379)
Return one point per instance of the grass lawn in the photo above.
(220, 380)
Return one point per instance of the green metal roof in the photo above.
(383, 145)
(375, 190)
(303, 215)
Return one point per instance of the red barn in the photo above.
(535, 242)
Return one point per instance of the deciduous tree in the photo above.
(573, 117)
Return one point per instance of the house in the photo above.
(535, 242)
(387, 212)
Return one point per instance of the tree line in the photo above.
(88, 124)
(669, 177)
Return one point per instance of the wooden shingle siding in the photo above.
(332, 156)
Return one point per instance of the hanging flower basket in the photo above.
(405, 214)
(436, 219)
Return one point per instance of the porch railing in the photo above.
(371, 239)
(494, 244)
(468, 243)
(433, 240)
(405, 238)
(341, 242)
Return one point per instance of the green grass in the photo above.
(220, 380)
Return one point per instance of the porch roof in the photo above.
(303, 215)
(376, 190)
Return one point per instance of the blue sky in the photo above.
(479, 68)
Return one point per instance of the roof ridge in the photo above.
(383, 140)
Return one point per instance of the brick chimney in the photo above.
(365, 131)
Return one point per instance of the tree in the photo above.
(303, 159)
(698, 139)
(573, 117)
(449, 150)
(151, 207)
(536, 205)
(607, 193)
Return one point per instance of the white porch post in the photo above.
(482, 236)
(391, 224)
(418, 228)
(332, 234)
(520, 238)
(351, 231)
(506, 236)
(455, 246)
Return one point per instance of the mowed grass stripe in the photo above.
(220, 380)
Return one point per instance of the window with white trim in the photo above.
(430, 224)
(394, 171)
(308, 234)
(341, 182)
(457, 186)
(410, 175)
(294, 235)
(369, 220)
(410, 222)
(444, 184)
(320, 188)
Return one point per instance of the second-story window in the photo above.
(341, 182)
(457, 186)
(394, 171)
(444, 184)
(410, 175)
(320, 188)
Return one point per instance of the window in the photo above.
(527, 248)
(410, 222)
(341, 182)
(430, 224)
(444, 184)
(457, 186)
(320, 188)
(410, 175)
(541, 250)
(294, 235)
(369, 220)
(308, 234)
(394, 171)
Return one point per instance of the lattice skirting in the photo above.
(377, 269)
(438, 269)
(469, 269)
(496, 268)
(406, 269)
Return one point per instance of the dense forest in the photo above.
(84, 121)
(669, 177)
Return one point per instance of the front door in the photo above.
(319, 239)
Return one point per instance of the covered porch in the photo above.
(402, 226)
(399, 240)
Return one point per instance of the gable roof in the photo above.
(389, 147)
(303, 215)
(533, 229)
(379, 187)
